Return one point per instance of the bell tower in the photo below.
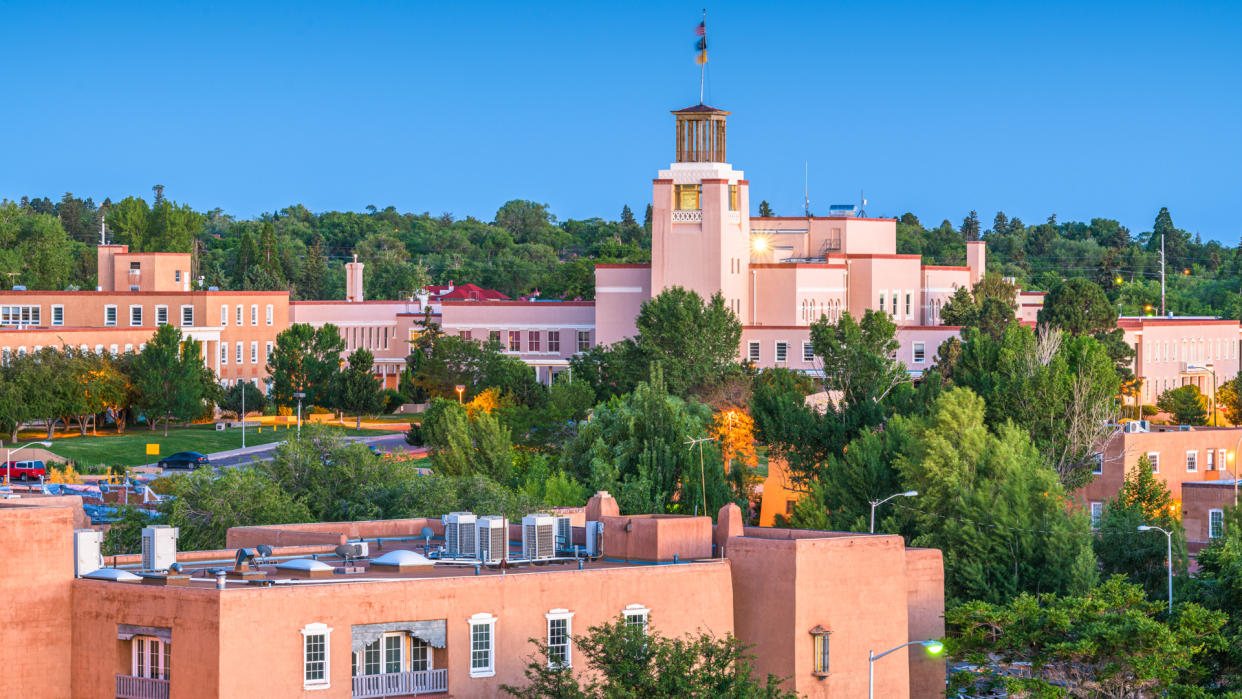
(700, 221)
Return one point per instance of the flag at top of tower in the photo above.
(701, 44)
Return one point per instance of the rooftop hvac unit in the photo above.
(459, 534)
(1138, 426)
(159, 547)
(86, 551)
(538, 537)
(564, 534)
(493, 541)
(594, 538)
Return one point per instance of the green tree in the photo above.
(171, 380)
(231, 400)
(311, 285)
(306, 360)
(630, 660)
(856, 357)
(695, 342)
(205, 506)
(1109, 642)
(493, 447)
(124, 535)
(991, 306)
(446, 430)
(765, 209)
(1185, 404)
(1229, 399)
(987, 500)
(358, 390)
(1078, 307)
(438, 363)
(1141, 556)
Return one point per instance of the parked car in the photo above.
(184, 459)
(25, 470)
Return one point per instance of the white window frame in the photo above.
(1221, 532)
(483, 619)
(781, 349)
(135, 307)
(754, 351)
(636, 611)
(918, 352)
(254, 314)
(1097, 513)
(1154, 458)
(139, 660)
(241, 315)
(821, 646)
(554, 341)
(224, 315)
(110, 308)
(241, 350)
(269, 350)
(224, 353)
(164, 310)
(254, 352)
(1192, 460)
(58, 315)
(584, 340)
(808, 352)
(1211, 460)
(317, 629)
(1097, 467)
(183, 316)
(568, 617)
(271, 314)
(177, 276)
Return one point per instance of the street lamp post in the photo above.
(299, 396)
(1169, 535)
(460, 390)
(243, 416)
(1212, 402)
(933, 646)
(8, 457)
(877, 503)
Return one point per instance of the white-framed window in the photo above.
(636, 615)
(532, 340)
(316, 650)
(113, 349)
(920, 352)
(224, 353)
(58, 315)
(560, 630)
(515, 340)
(110, 315)
(20, 316)
(752, 351)
(808, 352)
(1097, 463)
(240, 311)
(584, 340)
(161, 315)
(135, 315)
(1216, 524)
(271, 314)
(240, 350)
(420, 655)
(819, 647)
(1154, 458)
(782, 351)
(254, 314)
(894, 304)
(482, 645)
(1211, 459)
(149, 658)
(554, 341)
(224, 315)
(1192, 460)
(1097, 513)
(187, 316)
(908, 299)
(882, 305)
(254, 352)
(269, 351)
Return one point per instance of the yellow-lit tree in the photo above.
(734, 432)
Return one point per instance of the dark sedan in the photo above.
(184, 459)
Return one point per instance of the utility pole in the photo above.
(702, 477)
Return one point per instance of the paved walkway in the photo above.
(265, 452)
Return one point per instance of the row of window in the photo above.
(399, 652)
(754, 352)
(8, 353)
(1192, 349)
(534, 340)
(136, 315)
(1215, 458)
(372, 338)
(254, 352)
(254, 314)
(1216, 519)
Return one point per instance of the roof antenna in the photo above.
(862, 206)
(102, 225)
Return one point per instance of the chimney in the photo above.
(353, 281)
(976, 260)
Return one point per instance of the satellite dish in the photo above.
(345, 551)
(264, 550)
(427, 533)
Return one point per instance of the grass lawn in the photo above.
(129, 449)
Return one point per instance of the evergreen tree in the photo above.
(765, 209)
(1141, 556)
(627, 216)
(446, 430)
(1185, 404)
(171, 380)
(647, 219)
(314, 271)
(305, 360)
(970, 226)
(358, 391)
(1000, 224)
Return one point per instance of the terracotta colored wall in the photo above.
(764, 588)
(325, 532)
(925, 601)
(1123, 451)
(657, 537)
(71, 502)
(36, 617)
(1197, 500)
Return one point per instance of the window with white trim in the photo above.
(515, 341)
(920, 352)
(161, 315)
(1216, 524)
(1097, 514)
(584, 340)
(177, 276)
(908, 299)
(636, 615)
(1154, 458)
(1097, 463)
(1211, 459)
(271, 313)
(224, 353)
(482, 645)
(420, 655)
(782, 351)
(109, 316)
(240, 311)
(819, 646)
(752, 352)
(240, 350)
(58, 315)
(808, 352)
(254, 352)
(254, 314)
(316, 650)
(554, 341)
(224, 315)
(532, 340)
(269, 351)
(560, 628)
(149, 658)
(135, 315)
(1192, 461)
(187, 316)
(882, 298)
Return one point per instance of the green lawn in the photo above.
(129, 449)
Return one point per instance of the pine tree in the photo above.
(314, 269)
(1000, 224)
(627, 216)
(970, 226)
(765, 209)
(1141, 556)
(358, 391)
(647, 219)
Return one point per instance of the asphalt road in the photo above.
(385, 443)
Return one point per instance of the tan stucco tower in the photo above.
(700, 226)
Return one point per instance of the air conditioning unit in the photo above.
(86, 551)
(564, 534)
(159, 547)
(594, 538)
(493, 539)
(538, 537)
(459, 534)
(1138, 426)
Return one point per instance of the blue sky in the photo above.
(1077, 109)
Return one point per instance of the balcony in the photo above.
(130, 687)
(687, 215)
(396, 684)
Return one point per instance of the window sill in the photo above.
(821, 675)
(312, 686)
(480, 674)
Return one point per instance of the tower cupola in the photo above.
(700, 134)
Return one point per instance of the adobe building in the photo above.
(405, 618)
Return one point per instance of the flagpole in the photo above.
(703, 65)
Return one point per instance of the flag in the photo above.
(701, 45)
(701, 30)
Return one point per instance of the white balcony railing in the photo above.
(130, 687)
(400, 684)
(687, 215)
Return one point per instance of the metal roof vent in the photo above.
(112, 575)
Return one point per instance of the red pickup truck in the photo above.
(24, 471)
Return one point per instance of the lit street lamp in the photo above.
(877, 503)
(299, 396)
(460, 390)
(1169, 535)
(8, 458)
(933, 647)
